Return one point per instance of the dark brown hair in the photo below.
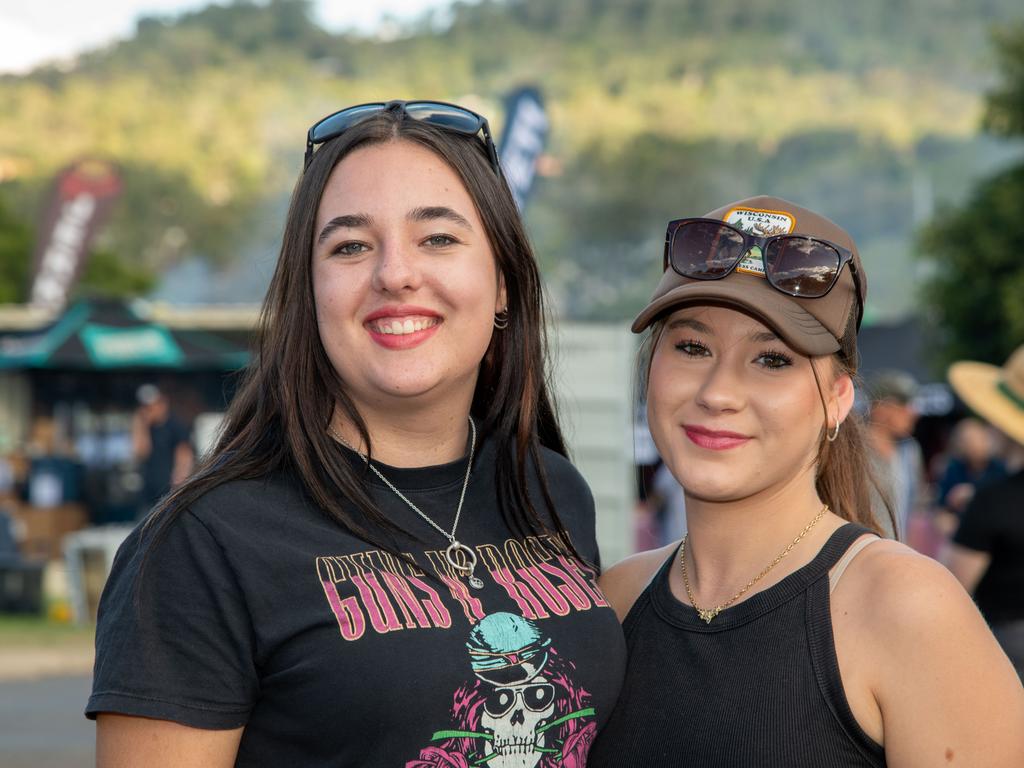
(845, 479)
(279, 418)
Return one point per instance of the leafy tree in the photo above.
(976, 252)
(110, 276)
(15, 255)
(658, 107)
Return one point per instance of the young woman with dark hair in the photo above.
(388, 522)
(782, 631)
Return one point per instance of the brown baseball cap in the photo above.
(813, 326)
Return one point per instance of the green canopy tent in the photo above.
(92, 359)
(103, 335)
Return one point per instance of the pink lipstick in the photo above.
(714, 440)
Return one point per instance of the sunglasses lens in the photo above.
(499, 701)
(337, 124)
(538, 697)
(444, 115)
(801, 266)
(705, 250)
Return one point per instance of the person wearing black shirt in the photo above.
(387, 559)
(782, 630)
(987, 552)
(161, 445)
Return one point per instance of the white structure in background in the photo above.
(593, 383)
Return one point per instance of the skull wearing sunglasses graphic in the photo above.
(509, 653)
(513, 714)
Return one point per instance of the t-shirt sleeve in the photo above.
(181, 434)
(575, 504)
(174, 640)
(976, 529)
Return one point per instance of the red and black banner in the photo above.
(82, 196)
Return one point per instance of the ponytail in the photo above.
(846, 479)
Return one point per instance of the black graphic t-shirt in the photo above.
(256, 610)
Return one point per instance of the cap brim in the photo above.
(755, 296)
(977, 384)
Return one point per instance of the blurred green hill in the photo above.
(867, 111)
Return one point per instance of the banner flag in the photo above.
(83, 194)
(523, 140)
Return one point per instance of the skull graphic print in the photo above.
(521, 710)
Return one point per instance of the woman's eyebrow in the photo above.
(689, 322)
(431, 212)
(348, 221)
(763, 336)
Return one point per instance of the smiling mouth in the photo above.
(402, 326)
(715, 441)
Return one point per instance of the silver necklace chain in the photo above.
(454, 546)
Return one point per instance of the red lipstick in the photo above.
(391, 327)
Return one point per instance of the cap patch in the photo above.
(763, 223)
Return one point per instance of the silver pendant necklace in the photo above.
(455, 546)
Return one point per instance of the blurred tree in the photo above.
(1005, 113)
(15, 255)
(657, 107)
(108, 275)
(976, 252)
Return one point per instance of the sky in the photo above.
(35, 32)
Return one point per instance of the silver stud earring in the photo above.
(501, 319)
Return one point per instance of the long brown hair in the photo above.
(279, 418)
(844, 477)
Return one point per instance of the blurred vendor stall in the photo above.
(75, 378)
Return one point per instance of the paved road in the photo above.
(41, 724)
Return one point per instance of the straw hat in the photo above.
(995, 394)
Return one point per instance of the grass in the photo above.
(20, 631)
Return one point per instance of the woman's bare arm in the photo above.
(624, 581)
(123, 741)
(947, 693)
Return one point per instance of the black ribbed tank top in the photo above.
(758, 686)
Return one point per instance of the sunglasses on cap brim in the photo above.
(800, 266)
(440, 114)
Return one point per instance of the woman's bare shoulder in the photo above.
(941, 682)
(624, 581)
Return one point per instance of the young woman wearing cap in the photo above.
(387, 561)
(782, 630)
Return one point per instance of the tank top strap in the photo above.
(835, 548)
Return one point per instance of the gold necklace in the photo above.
(707, 614)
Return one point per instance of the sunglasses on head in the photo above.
(451, 117)
(797, 265)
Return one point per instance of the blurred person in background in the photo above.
(387, 559)
(161, 445)
(973, 462)
(896, 456)
(667, 494)
(987, 553)
(782, 630)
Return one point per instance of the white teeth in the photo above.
(402, 327)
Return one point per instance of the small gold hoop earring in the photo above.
(833, 434)
(501, 319)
